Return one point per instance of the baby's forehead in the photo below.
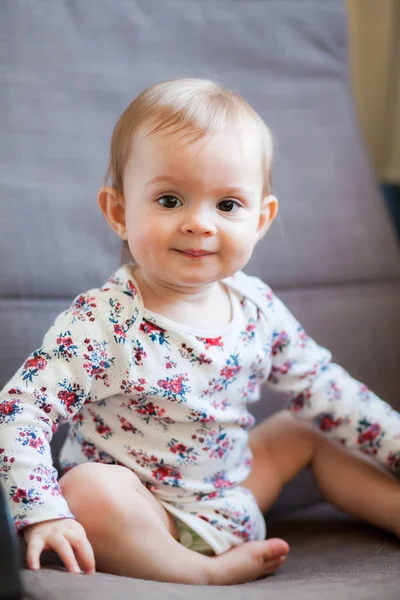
(245, 136)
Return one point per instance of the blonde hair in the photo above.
(196, 107)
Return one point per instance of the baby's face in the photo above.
(193, 209)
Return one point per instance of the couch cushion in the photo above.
(331, 556)
(69, 70)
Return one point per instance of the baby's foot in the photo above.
(247, 562)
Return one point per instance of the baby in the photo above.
(165, 475)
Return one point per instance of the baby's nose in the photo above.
(199, 223)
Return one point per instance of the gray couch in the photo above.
(68, 68)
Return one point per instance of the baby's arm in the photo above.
(80, 360)
(324, 393)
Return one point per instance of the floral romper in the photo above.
(171, 403)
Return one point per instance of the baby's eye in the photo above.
(228, 206)
(169, 201)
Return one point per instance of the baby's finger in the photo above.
(63, 548)
(33, 552)
(83, 551)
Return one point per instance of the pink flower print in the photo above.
(178, 448)
(213, 522)
(219, 481)
(68, 398)
(246, 420)
(21, 523)
(139, 387)
(37, 362)
(217, 443)
(9, 409)
(78, 419)
(364, 393)
(298, 402)
(101, 428)
(169, 363)
(269, 298)
(150, 412)
(98, 360)
(281, 370)
(88, 450)
(47, 478)
(142, 458)
(175, 388)
(139, 354)
(223, 446)
(163, 472)
(248, 334)
(202, 359)
(82, 308)
(27, 436)
(327, 422)
(128, 386)
(66, 349)
(369, 436)
(310, 373)
(120, 329)
(130, 289)
(22, 496)
(215, 386)
(238, 521)
(210, 496)
(41, 400)
(15, 391)
(303, 337)
(228, 375)
(128, 426)
(150, 409)
(188, 455)
(280, 341)
(285, 368)
(256, 377)
(220, 405)
(333, 392)
(155, 333)
(210, 342)
(201, 416)
(393, 460)
(71, 395)
(189, 354)
(230, 370)
(6, 463)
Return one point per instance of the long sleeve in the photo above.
(80, 361)
(322, 392)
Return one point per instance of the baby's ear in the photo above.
(113, 208)
(268, 212)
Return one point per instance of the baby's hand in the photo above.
(67, 538)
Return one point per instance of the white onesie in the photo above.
(171, 403)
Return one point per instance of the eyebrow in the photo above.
(165, 178)
(226, 191)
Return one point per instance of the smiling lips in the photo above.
(195, 253)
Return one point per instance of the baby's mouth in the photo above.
(195, 253)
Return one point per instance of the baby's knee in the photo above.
(94, 490)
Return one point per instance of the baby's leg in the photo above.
(134, 536)
(282, 446)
